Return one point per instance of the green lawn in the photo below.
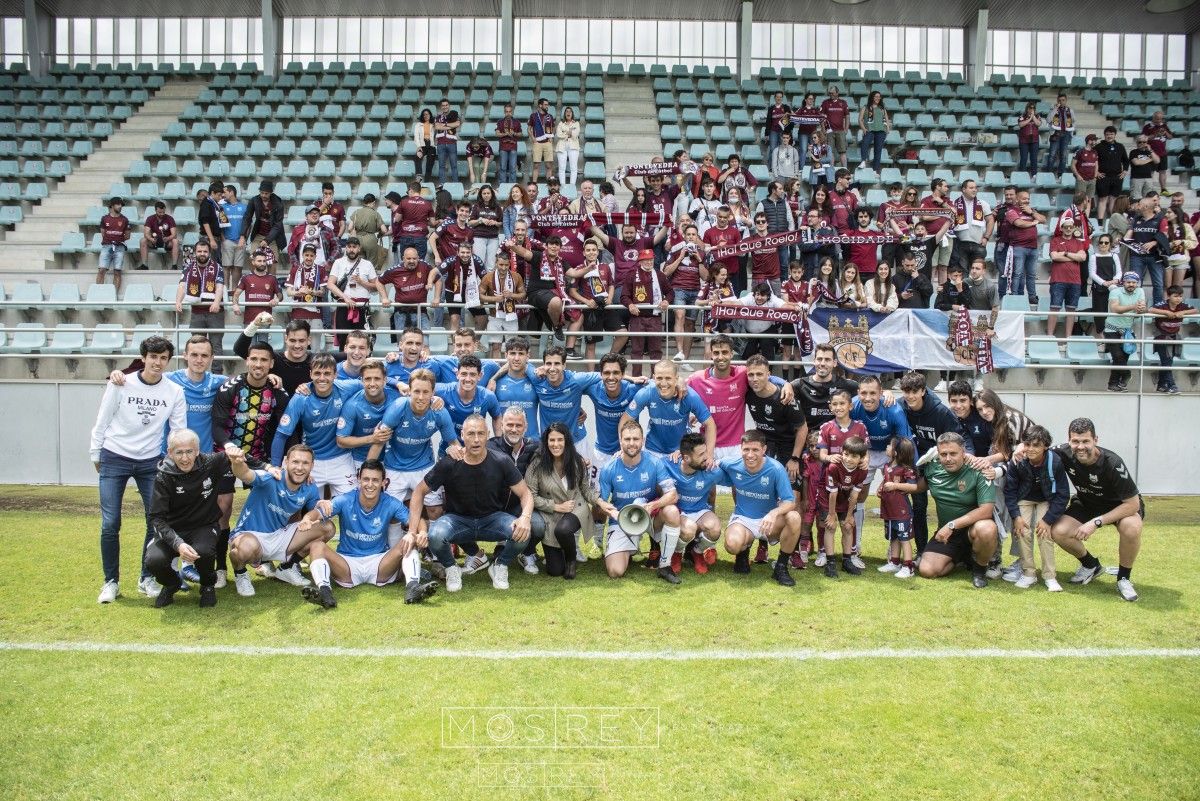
(132, 726)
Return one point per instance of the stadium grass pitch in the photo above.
(378, 699)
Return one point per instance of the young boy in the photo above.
(795, 292)
(835, 433)
(844, 482)
(1036, 493)
(813, 481)
(899, 481)
(1168, 319)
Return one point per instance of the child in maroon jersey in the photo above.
(813, 481)
(899, 481)
(844, 483)
(835, 433)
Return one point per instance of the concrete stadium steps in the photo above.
(31, 243)
(631, 130)
(1088, 119)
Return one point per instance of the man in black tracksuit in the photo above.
(928, 419)
(184, 516)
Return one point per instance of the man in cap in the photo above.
(263, 224)
(647, 294)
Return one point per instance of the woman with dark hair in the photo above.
(425, 140)
(1009, 427)
(486, 221)
(873, 127)
(1029, 132)
(562, 495)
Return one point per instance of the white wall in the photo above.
(47, 426)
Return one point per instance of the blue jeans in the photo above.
(1056, 156)
(800, 140)
(773, 140)
(1029, 158)
(447, 154)
(1141, 263)
(1024, 272)
(115, 472)
(507, 167)
(872, 142)
(420, 243)
(451, 529)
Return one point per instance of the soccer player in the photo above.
(357, 346)
(363, 555)
(782, 422)
(1105, 494)
(185, 516)
(669, 413)
(965, 505)
(476, 490)
(813, 391)
(699, 525)
(263, 533)
(610, 400)
(723, 387)
(126, 442)
(560, 394)
(246, 412)
(292, 366)
(408, 358)
(642, 479)
(515, 387)
(316, 414)
(883, 422)
(357, 426)
(845, 477)
(464, 397)
(764, 506)
(410, 424)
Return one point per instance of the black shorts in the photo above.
(540, 298)
(1084, 511)
(615, 318)
(227, 483)
(1108, 187)
(958, 547)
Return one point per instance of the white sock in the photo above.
(410, 566)
(860, 515)
(680, 546)
(670, 539)
(703, 543)
(320, 572)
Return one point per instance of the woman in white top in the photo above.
(742, 217)
(567, 135)
(882, 297)
(426, 142)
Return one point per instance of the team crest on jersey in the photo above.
(765, 481)
(644, 476)
(1095, 479)
(341, 424)
(404, 424)
(285, 420)
(962, 485)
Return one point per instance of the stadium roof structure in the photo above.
(1062, 15)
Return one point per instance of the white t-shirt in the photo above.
(362, 277)
(131, 418)
(757, 326)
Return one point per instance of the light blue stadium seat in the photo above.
(139, 293)
(66, 338)
(102, 295)
(63, 297)
(1044, 352)
(25, 338)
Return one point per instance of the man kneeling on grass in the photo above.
(184, 516)
(965, 504)
(363, 555)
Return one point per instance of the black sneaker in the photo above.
(321, 596)
(782, 576)
(741, 563)
(558, 333)
(1115, 388)
(417, 591)
(849, 566)
(831, 568)
(166, 597)
(208, 597)
(668, 575)
(572, 354)
(978, 580)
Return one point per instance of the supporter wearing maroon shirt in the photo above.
(1067, 253)
(261, 290)
(735, 176)
(306, 285)
(779, 119)
(541, 138)
(764, 264)
(114, 232)
(450, 233)
(686, 271)
(571, 236)
(411, 220)
(940, 246)
(842, 203)
(333, 214)
(411, 281)
(647, 295)
(445, 125)
(864, 255)
(837, 117)
(522, 248)
(159, 232)
(720, 235)
(1085, 167)
(625, 250)
(508, 129)
(478, 148)
(1158, 133)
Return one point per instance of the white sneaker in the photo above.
(978, 385)
(679, 357)
(108, 593)
(499, 574)
(243, 584)
(474, 563)
(942, 386)
(905, 572)
(580, 556)
(149, 587)
(1025, 582)
(266, 569)
(862, 166)
(994, 571)
(1013, 572)
(821, 559)
(292, 575)
(221, 580)
(1084, 575)
(1052, 585)
(1125, 589)
(529, 564)
(453, 578)
(857, 562)
(889, 567)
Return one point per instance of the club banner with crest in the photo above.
(921, 339)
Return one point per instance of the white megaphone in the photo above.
(634, 520)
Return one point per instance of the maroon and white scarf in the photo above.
(762, 314)
(641, 219)
(656, 168)
(201, 281)
(964, 337)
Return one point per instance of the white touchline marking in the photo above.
(785, 655)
